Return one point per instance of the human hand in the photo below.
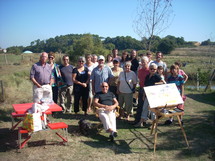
(109, 108)
(39, 86)
(84, 85)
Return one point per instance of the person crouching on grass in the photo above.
(178, 79)
(106, 102)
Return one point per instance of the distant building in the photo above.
(197, 43)
(27, 52)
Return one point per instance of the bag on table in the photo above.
(32, 122)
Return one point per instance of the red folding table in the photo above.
(21, 110)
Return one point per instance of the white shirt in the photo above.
(90, 68)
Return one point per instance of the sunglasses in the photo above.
(152, 69)
(104, 86)
(81, 61)
(51, 57)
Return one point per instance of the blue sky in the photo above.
(23, 21)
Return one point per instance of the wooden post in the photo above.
(210, 80)
(2, 91)
(5, 57)
(197, 81)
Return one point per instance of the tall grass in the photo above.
(199, 60)
(17, 86)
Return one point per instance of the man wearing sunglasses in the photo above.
(106, 102)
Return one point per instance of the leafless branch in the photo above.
(153, 17)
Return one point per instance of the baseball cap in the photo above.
(101, 57)
(116, 59)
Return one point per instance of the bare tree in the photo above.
(153, 17)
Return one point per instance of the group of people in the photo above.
(104, 85)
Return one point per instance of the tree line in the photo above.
(79, 44)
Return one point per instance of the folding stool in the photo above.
(60, 125)
(15, 115)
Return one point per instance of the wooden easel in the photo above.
(160, 115)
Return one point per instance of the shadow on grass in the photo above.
(208, 98)
(200, 135)
(117, 146)
(90, 117)
(4, 116)
(147, 141)
(7, 139)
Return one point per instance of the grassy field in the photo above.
(131, 144)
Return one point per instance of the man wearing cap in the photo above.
(114, 81)
(40, 75)
(100, 74)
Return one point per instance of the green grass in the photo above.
(131, 144)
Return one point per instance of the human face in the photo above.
(159, 56)
(51, 58)
(81, 62)
(89, 59)
(160, 71)
(110, 58)
(115, 53)
(127, 68)
(115, 63)
(133, 54)
(124, 55)
(101, 62)
(66, 60)
(104, 87)
(149, 56)
(43, 57)
(152, 70)
(94, 59)
(174, 72)
(144, 63)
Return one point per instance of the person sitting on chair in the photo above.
(106, 102)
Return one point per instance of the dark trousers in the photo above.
(139, 106)
(84, 94)
(113, 89)
(55, 94)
